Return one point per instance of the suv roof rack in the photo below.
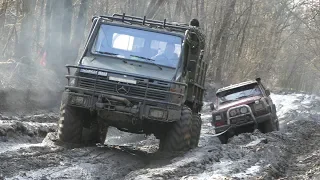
(148, 22)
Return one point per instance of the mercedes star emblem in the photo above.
(122, 89)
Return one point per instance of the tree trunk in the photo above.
(25, 37)
(66, 35)
(79, 29)
(153, 7)
(222, 52)
(38, 27)
(202, 14)
(177, 11)
(47, 32)
(225, 25)
(3, 9)
(54, 55)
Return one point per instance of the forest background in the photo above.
(277, 40)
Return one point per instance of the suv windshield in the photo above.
(139, 45)
(239, 93)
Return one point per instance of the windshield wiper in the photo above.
(108, 53)
(148, 59)
(141, 57)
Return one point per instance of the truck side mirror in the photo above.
(268, 92)
(212, 106)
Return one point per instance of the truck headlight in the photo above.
(77, 100)
(244, 110)
(157, 113)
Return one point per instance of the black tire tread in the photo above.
(179, 135)
(195, 130)
(268, 126)
(69, 125)
(223, 138)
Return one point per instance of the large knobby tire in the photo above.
(195, 130)
(76, 125)
(277, 122)
(179, 135)
(69, 125)
(94, 134)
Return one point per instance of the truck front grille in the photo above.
(138, 90)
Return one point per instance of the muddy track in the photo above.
(28, 150)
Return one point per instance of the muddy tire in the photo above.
(277, 125)
(195, 130)
(268, 126)
(95, 134)
(178, 136)
(223, 138)
(69, 125)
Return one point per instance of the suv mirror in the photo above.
(212, 107)
(268, 92)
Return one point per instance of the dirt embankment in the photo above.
(27, 87)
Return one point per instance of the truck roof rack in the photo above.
(148, 22)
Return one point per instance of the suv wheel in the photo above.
(195, 130)
(70, 124)
(178, 136)
(268, 126)
(224, 138)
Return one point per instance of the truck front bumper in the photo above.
(111, 106)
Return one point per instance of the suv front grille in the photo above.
(138, 90)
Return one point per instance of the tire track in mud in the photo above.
(79, 163)
(304, 159)
(304, 163)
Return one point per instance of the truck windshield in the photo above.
(138, 45)
(239, 93)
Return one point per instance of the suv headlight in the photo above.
(233, 113)
(243, 110)
(218, 117)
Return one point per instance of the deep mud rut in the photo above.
(28, 152)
